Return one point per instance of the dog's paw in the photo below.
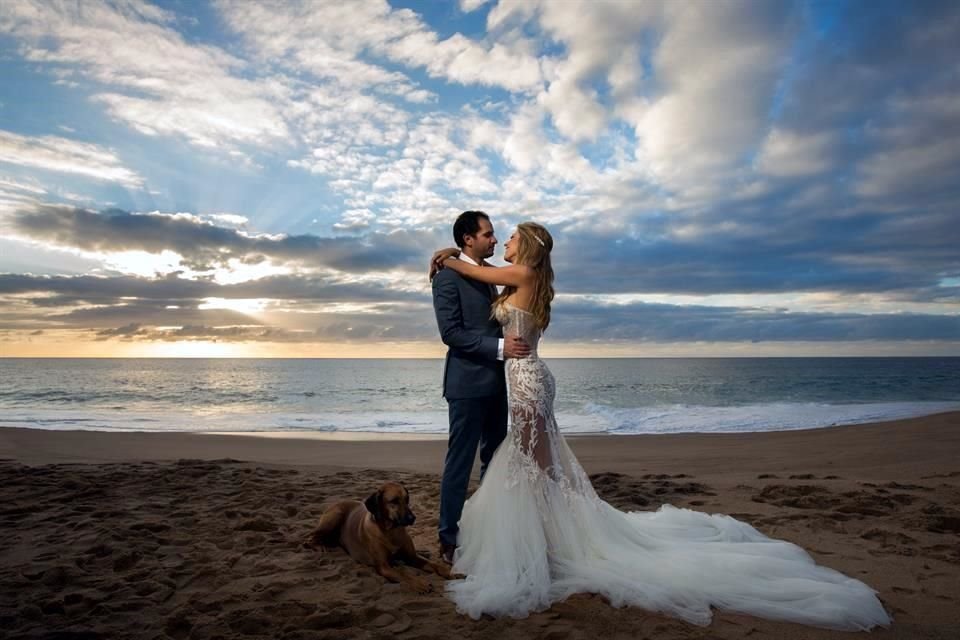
(421, 585)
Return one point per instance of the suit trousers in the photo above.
(473, 422)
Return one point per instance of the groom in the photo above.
(473, 380)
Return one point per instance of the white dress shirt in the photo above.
(496, 291)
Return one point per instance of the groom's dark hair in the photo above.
(467, 224)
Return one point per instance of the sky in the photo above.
(268, 179)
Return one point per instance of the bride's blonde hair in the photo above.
(533, 251)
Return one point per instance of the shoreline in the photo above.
(428, 424)
(873, 447)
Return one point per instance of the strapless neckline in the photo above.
(513, 306)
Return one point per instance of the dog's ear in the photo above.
(372, 503)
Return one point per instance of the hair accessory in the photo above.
(537, 238)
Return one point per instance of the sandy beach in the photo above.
(176, 535)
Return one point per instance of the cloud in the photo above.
(642, 322)
(141, 309)
(291, 308)
(32, 187)
(172, 290)
(328, 38)
(917, 149)
(471, 5)
(53, 153)
(146, 74)
(241, 333)
(310, 38)
(787, 153)
(203, 246)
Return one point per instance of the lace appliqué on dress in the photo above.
(534, 434)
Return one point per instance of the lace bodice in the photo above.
(516, 321)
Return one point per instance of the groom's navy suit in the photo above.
(473, 384)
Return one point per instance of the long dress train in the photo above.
(535, 532)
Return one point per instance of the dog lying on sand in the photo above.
(374, 533)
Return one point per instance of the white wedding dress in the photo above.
(536, 532)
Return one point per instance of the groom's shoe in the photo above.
(446, 552)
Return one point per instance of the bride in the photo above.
(536, 532)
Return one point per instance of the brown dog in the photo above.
(374, 532)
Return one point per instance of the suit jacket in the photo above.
(462, 306)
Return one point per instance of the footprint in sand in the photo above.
(250, 622)
(337, 618)
(126, 561)
(258, 524)
(178, 626)
(421, 605)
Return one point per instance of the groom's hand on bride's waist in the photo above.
(515, 347)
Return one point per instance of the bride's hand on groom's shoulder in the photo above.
(436, 262)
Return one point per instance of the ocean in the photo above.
(614, 396)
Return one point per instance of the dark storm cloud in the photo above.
(126, 331)
(777, 249)
(385, 324)
(204, 245)
(145, 313)
(411, 318)
(586, 322)
(673, 323)
(173, 290)
(133, 308)
(338, 330)
(883, 85)
(861, 58)
(760, 246)
(243, 333)
(105, 303)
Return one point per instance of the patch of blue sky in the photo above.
(844, 25)
(181, 178)
(617, 140)
(446, 18)
(649, 41)
(177, 176)
(818, 21)
(198, 22)
(69, 188)
(33, 103)
(448, 94)
(274, 197)
(494, 162)
(794, 67)
(824, 16)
